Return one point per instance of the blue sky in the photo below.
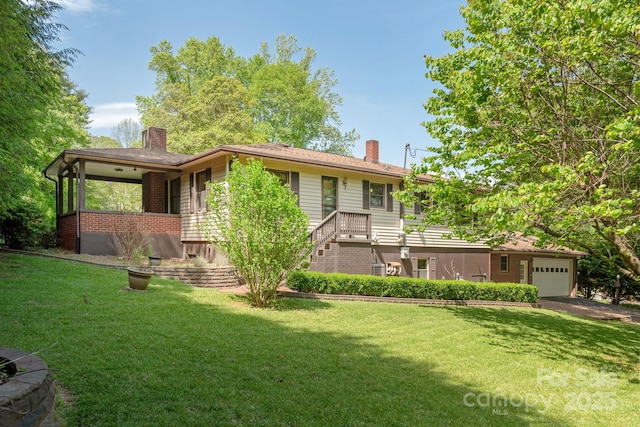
(375, 48)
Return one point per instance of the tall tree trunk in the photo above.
(629, 257)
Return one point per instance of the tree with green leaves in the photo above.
(112, 195)
(41, 113)
(538, 116)
(31, 82)
(294, 103)
(259, 225)
(206, 95)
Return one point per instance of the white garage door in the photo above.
(552, 276)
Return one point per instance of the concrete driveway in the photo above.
(592, 309)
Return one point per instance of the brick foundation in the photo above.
(357, 258)
(351, 258)
(147, 223)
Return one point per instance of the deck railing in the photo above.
(355, 225)
(347, 225)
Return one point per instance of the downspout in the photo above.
(401, 187)
(407, 147)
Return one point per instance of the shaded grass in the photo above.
(178, 355)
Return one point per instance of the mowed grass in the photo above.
(178, 355)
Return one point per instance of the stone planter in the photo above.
(139, 278)
(154, 261)
(27, 396)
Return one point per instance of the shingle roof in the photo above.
(131, 154)
(311, 157)
(527, 244)
(269, 151)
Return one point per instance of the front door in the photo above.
(329, 195)
(524, 272)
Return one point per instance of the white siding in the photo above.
(386, 225)
(349, 197)
(311, 196)
(432, 236)
(191, 221)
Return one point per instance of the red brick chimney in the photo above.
(371, 154)
(154, 139)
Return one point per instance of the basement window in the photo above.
(504, 263)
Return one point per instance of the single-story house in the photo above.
(354, 222)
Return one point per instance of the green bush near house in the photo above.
(403, 287)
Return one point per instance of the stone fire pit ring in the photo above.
(27, 397)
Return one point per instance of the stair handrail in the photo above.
(324, 231)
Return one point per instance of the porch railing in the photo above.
(347, 225)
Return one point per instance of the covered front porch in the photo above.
(106, 195)
(95, 232)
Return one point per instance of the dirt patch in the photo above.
(64, 398)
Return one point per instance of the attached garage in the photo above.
(552, 270)
(552, 276)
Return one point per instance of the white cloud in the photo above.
(106, 116)
(78, 6)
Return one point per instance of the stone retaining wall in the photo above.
(219, 277)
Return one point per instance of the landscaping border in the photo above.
(207, 277)
(418, 301)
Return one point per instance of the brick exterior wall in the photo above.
(351, 258)
(67, 232)
(357, 258)
(161, 231)
(153, 193)
(107, 222)
(513, 273)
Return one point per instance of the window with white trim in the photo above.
(504, 263)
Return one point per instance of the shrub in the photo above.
(199, 261)
(404, 287)
(25, 225)
(128, 236)
(258, 223)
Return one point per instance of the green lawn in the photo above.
(178, 355)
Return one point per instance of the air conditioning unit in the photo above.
(378, 269)
(404, 252)
(393, 269)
